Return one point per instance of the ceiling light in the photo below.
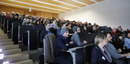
(0, 50)
(36, 5)
(6, 62)
(79, 2)
(1, 56)
(66, 3)
(51, 4)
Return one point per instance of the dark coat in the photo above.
(63, 57)
(97, 56)
(61, 47)
(43, 33)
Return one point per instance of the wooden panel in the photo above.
(42, 4)
(87, 1)
(53, 6)
(57, 3)
(98, 0)
(16, 3)
(73, 3)
(26, 11)
(10, 9)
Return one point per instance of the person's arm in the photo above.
(41, 36)
(127, 42)
(23, 22)
(77, 40)
(61, 44)
(124, 55)
(112, 50)
(94, 57)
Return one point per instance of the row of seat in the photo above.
(28, 36)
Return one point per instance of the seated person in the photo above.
(112, 50)
(84, 30)
(113, 32)
(26, 22)
(127, 40)
(69, 28)
(95, 30)
(45, 31)
(119, 44)
(100, 55)
(75, 38)
(62, 45)
(54, 24)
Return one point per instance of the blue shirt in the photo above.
(52, 26)
(127, 43)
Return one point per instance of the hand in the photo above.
(71, 42)
(85, 41)
(128, 54)
(67, 44)
(119, 50)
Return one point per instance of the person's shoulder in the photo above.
(126, 39)
(95, 49)
(59, 37)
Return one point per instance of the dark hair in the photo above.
(127, 34)
(37, 21)
(105, 33)
(47, 23)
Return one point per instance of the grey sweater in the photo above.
(75, 38)
(112, 50)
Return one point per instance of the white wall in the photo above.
(111, 13)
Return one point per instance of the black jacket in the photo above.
(97, 56)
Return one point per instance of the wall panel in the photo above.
(26, 11)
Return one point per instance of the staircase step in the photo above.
(6, 43)
(9, 40)
(7, 47)
(23, 62)
(15, 57)
(3, 37)
(11, 51)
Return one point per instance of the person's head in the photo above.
(119, 28)
(78, 30)
(64, 32)
(54, 22)
(37, 22)
(64, 26)
(16, 16)
(75, 29)
(94, 28)
(114, 30)
(120, 36)
(108, 36)
(85, 28)
(128, 35)
(101, 39)
(47, 25)
(28, 19)
(69, 24)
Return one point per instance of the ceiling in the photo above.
(53, 6)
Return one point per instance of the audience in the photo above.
(116, 43)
